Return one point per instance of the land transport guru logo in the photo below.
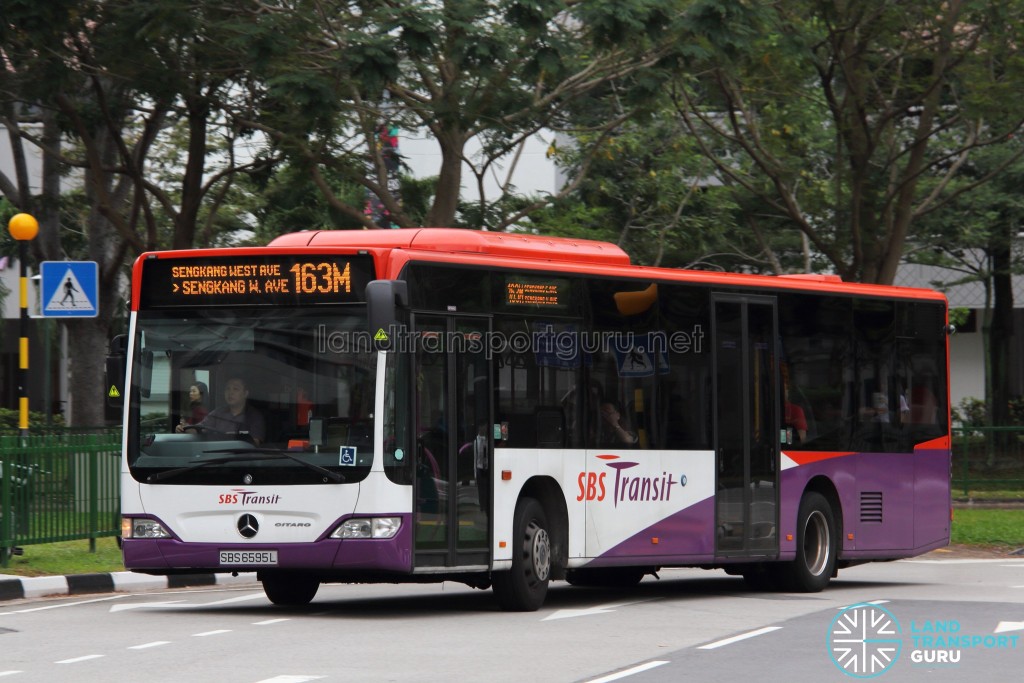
(594, 485)
(866, 640)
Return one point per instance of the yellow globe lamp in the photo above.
(23, 227)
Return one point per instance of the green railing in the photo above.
(988, 462)
(58, 487)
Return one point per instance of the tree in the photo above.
(106, 79)
(977, 235)
(833, 114)
(497, 71)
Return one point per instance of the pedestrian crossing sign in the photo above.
(69, 289)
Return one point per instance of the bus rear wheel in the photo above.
(289, 590)
(816, 545)
(524, 587)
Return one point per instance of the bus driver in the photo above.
(235, 417)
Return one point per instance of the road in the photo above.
(688, 625)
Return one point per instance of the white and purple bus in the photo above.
(507, 410)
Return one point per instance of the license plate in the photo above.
(248, 557)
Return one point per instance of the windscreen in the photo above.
(252, 395)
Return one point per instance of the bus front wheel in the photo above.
(816, 545)
(524, 587)
(289, 590)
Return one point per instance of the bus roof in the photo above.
(392, 249)
(465, 241)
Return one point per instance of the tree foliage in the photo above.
(833, 115)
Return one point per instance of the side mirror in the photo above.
(384, 301)
(117, 370)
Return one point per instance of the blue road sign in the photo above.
(69, 289)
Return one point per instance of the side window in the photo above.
(537, 375)
(627, 355)
(817, 390)
(685, 408)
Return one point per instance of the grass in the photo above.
(988, 527)
(984, 528)
(69, 557)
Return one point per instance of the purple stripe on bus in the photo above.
(903, 526)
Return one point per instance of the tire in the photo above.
(290, 590)
(524, 587)
(816, 545)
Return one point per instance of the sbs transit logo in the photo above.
(594, 485)
(243, 497)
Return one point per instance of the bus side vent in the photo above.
(871, 506)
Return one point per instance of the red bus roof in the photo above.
(464, 241)
(393, 249)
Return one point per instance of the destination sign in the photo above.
(538, 292)
(255, 280)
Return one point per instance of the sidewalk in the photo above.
(18, 587)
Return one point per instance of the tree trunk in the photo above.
(87, 350)
(1001, 334)
(449, 181)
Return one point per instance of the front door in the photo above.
(454, 440)
(746, 426)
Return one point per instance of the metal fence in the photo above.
(988, 462)
(58, 487)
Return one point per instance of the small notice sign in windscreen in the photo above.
(271, 279)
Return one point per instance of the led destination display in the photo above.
(255, 280)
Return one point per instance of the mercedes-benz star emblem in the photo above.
(248, 526)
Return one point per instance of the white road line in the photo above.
(65, 604)
(241, 598)
(290, 679)
(628, 672)
(155, 643)
(268, 622)
(9, 673)
(873, 602)
(75, 660)
(211, 633)
(736, 639)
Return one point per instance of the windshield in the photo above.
(252, 396)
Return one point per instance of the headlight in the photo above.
(368, 527)
(142, 528)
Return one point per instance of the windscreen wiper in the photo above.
(237, 454)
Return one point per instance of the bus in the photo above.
(507, 410)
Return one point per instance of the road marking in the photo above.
(241, 598)
(1005, 626)
(873, 602)
(290, 679)
(736, 639)
(589, 611)
(966, 561)
(75, 660)
(143, 605)
(155, 643)
(9, 673)
(211, 633)
(65, 604)
(268, 622)
(629, 672)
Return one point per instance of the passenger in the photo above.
(614, 432)
(197, 404)
(235, 417)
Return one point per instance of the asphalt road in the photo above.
(689, 625)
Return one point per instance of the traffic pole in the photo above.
(23, 229)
